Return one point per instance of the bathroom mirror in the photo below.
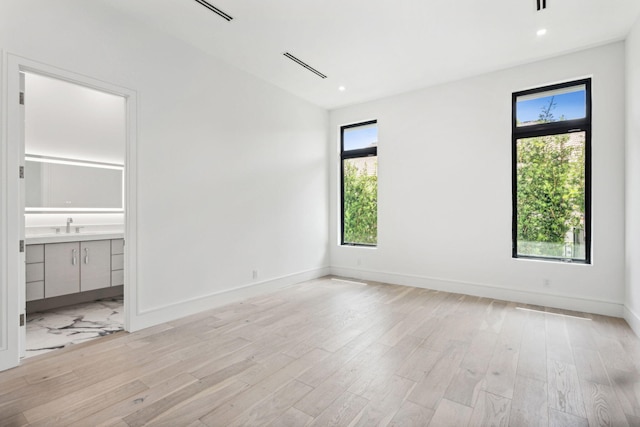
(68, 185)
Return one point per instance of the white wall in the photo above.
(445, 189)
(632, 312)
(232, 172)
(67, 120)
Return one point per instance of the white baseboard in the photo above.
(633, 319)
(157, 315)
(567, 302)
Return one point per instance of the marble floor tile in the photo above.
(64, 326)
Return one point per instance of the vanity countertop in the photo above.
(36, 239)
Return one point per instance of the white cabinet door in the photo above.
(61, 269)
(95, 269)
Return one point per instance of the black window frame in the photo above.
(352, 154)
(546, 129)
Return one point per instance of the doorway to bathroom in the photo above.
(74, 143)
(70, 204)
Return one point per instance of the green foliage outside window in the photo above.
(550, 191)
(360, 205)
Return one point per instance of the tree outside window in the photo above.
(359, 157)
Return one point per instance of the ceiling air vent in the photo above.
(305, 65)
(541, 5)
(215, 10)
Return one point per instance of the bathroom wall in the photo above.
(67, 120)
(63, 119)
(35, 223)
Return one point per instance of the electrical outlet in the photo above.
(359, 261)
(546, 283)
(255, 274)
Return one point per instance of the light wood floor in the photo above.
(332, 352)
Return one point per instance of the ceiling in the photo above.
(377, 48)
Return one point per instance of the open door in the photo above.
(12, 263)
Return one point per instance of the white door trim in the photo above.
(10, 193)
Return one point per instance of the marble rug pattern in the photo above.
(53, 329)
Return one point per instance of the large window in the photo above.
(359, 159)
(552, 172)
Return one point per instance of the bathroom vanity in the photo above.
(64, 269)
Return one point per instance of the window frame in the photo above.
(352, 154)
(546, 129)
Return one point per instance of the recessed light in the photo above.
(342, 88)
(541, 32)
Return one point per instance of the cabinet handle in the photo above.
(74, 257)
(86, 255)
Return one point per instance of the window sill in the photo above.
(353, 245)
(552, 260)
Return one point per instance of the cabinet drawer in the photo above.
(117, 278)
(117, 262)
(117, 246)
(35, 253)
(35, 272)
(35, 290)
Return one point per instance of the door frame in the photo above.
(12, 208)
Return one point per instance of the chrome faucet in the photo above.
(69, 221)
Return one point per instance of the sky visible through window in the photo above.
(571, 105)
(360, 137)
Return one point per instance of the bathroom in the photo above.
(74, 193)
